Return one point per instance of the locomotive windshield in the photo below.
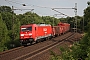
(26, 29)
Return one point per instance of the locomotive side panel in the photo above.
(44, 31)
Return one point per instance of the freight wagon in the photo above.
(56, 31)
(65, 27)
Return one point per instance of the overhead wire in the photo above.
(27, 5)
(33, 6)
(16, 8)
(10, 3)
(13, 2)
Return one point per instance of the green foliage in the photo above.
(7, 18)
(49, 20)
(54, 56)
(5, 9)
(6, 24)
(4, 38)
(87, 16)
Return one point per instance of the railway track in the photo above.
(32, 51)
(39, 51)
(11, 50)
(66, 44)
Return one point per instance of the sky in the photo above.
(44, 7)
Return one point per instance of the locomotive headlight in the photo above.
(30, 34)
(22, 34)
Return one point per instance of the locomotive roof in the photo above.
(43, 24)
(28, 25)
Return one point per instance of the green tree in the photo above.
(5, 9)
(87, 16)
(16, 32)
(7, 18)
(49, 20)
(4, 38)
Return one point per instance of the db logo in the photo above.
(45, 29)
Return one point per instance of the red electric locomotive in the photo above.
(33, 32)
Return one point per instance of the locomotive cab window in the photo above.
(26, 29)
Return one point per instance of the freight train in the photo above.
(36, 32)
